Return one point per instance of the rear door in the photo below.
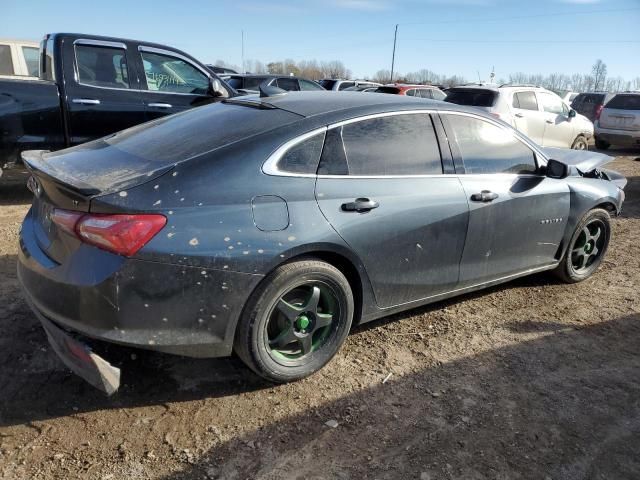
(528, 117)
(517, 216)
(171, 82)
(101, 89)
(558, 129)
(381, 186)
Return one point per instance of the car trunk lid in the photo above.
(621, 113)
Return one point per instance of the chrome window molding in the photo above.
(270, 166)
(99, 43)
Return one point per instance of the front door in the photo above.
(558, 129)
(171, 83)
(517, 217)
(380, 185)
(102, 90)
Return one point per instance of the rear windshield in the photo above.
(625, 102)
(474, 98)
(112, 161)
(327, 84)
(391, 90)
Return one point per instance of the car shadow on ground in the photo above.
(563, 405)
(14, 193)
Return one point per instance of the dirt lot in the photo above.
(532, 379)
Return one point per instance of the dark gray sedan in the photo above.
(270, 225)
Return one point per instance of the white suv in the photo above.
(537, 112)
(339, 85)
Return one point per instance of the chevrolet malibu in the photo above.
(269, 225)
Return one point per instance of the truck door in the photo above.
(100, 89)
(171, 82)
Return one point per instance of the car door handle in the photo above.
(549, 121)
(360, 205)
(484, 196)
(86, 101)
(519, 115)
(160, 105)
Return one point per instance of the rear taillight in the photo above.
(599, 111)
(121, 234)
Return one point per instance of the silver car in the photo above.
(619, 121)
(537, 112)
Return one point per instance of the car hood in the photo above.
(583, 160)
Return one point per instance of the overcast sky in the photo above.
(446, 36)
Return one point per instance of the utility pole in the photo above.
(243, 69)
(393, 57)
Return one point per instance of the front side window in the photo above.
(487, 148)
(102, 66)
(32, 59)
(550, 103)
(165, 73)
(307, 85)
(6, 63)
(410, 93)
(525, 101)
(393, 145)
(438, 94)
(303, 157)
(345, 85)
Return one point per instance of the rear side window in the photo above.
(6, 63)
(303, 157)
(487, 148)
(345, 85)
(525, 101)
(394, 145)
(102, 66)
(309, 86)
(32, 58)
(625, 102)
(438, 94)
(289, 84)
(474, 98)
(165, 73)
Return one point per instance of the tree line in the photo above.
(595, 80)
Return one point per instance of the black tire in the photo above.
(601, 144)
(253, 342)
(580, 261)
(580, 143)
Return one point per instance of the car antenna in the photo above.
(270, 91)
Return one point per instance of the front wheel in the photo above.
(296, 321)
(587, 247)
(580, 143)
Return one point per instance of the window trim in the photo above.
(270, 165)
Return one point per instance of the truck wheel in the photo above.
(296, 321)
(587, 247)
(601, 144)
(580, 143)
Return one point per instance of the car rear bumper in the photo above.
(170, 308)
(618, 137)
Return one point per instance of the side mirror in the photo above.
(215, 87)
(572, 113)
(556, 169)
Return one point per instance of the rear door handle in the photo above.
(360, 205)
(160, 105)
(484, 196)
(549, 121)
(519, 115)
(86, 101)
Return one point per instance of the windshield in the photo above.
(474, 98)
(625, 102)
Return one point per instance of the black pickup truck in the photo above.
(93, 86)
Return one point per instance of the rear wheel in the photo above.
(601, 144)
(296, 321)
(587, 247)
(580, 143)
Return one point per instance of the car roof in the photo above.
(308, 104)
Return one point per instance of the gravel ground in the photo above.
(531, 379)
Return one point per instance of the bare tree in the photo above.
(382, 76)
(599, 73)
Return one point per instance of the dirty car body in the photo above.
(244, 186)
